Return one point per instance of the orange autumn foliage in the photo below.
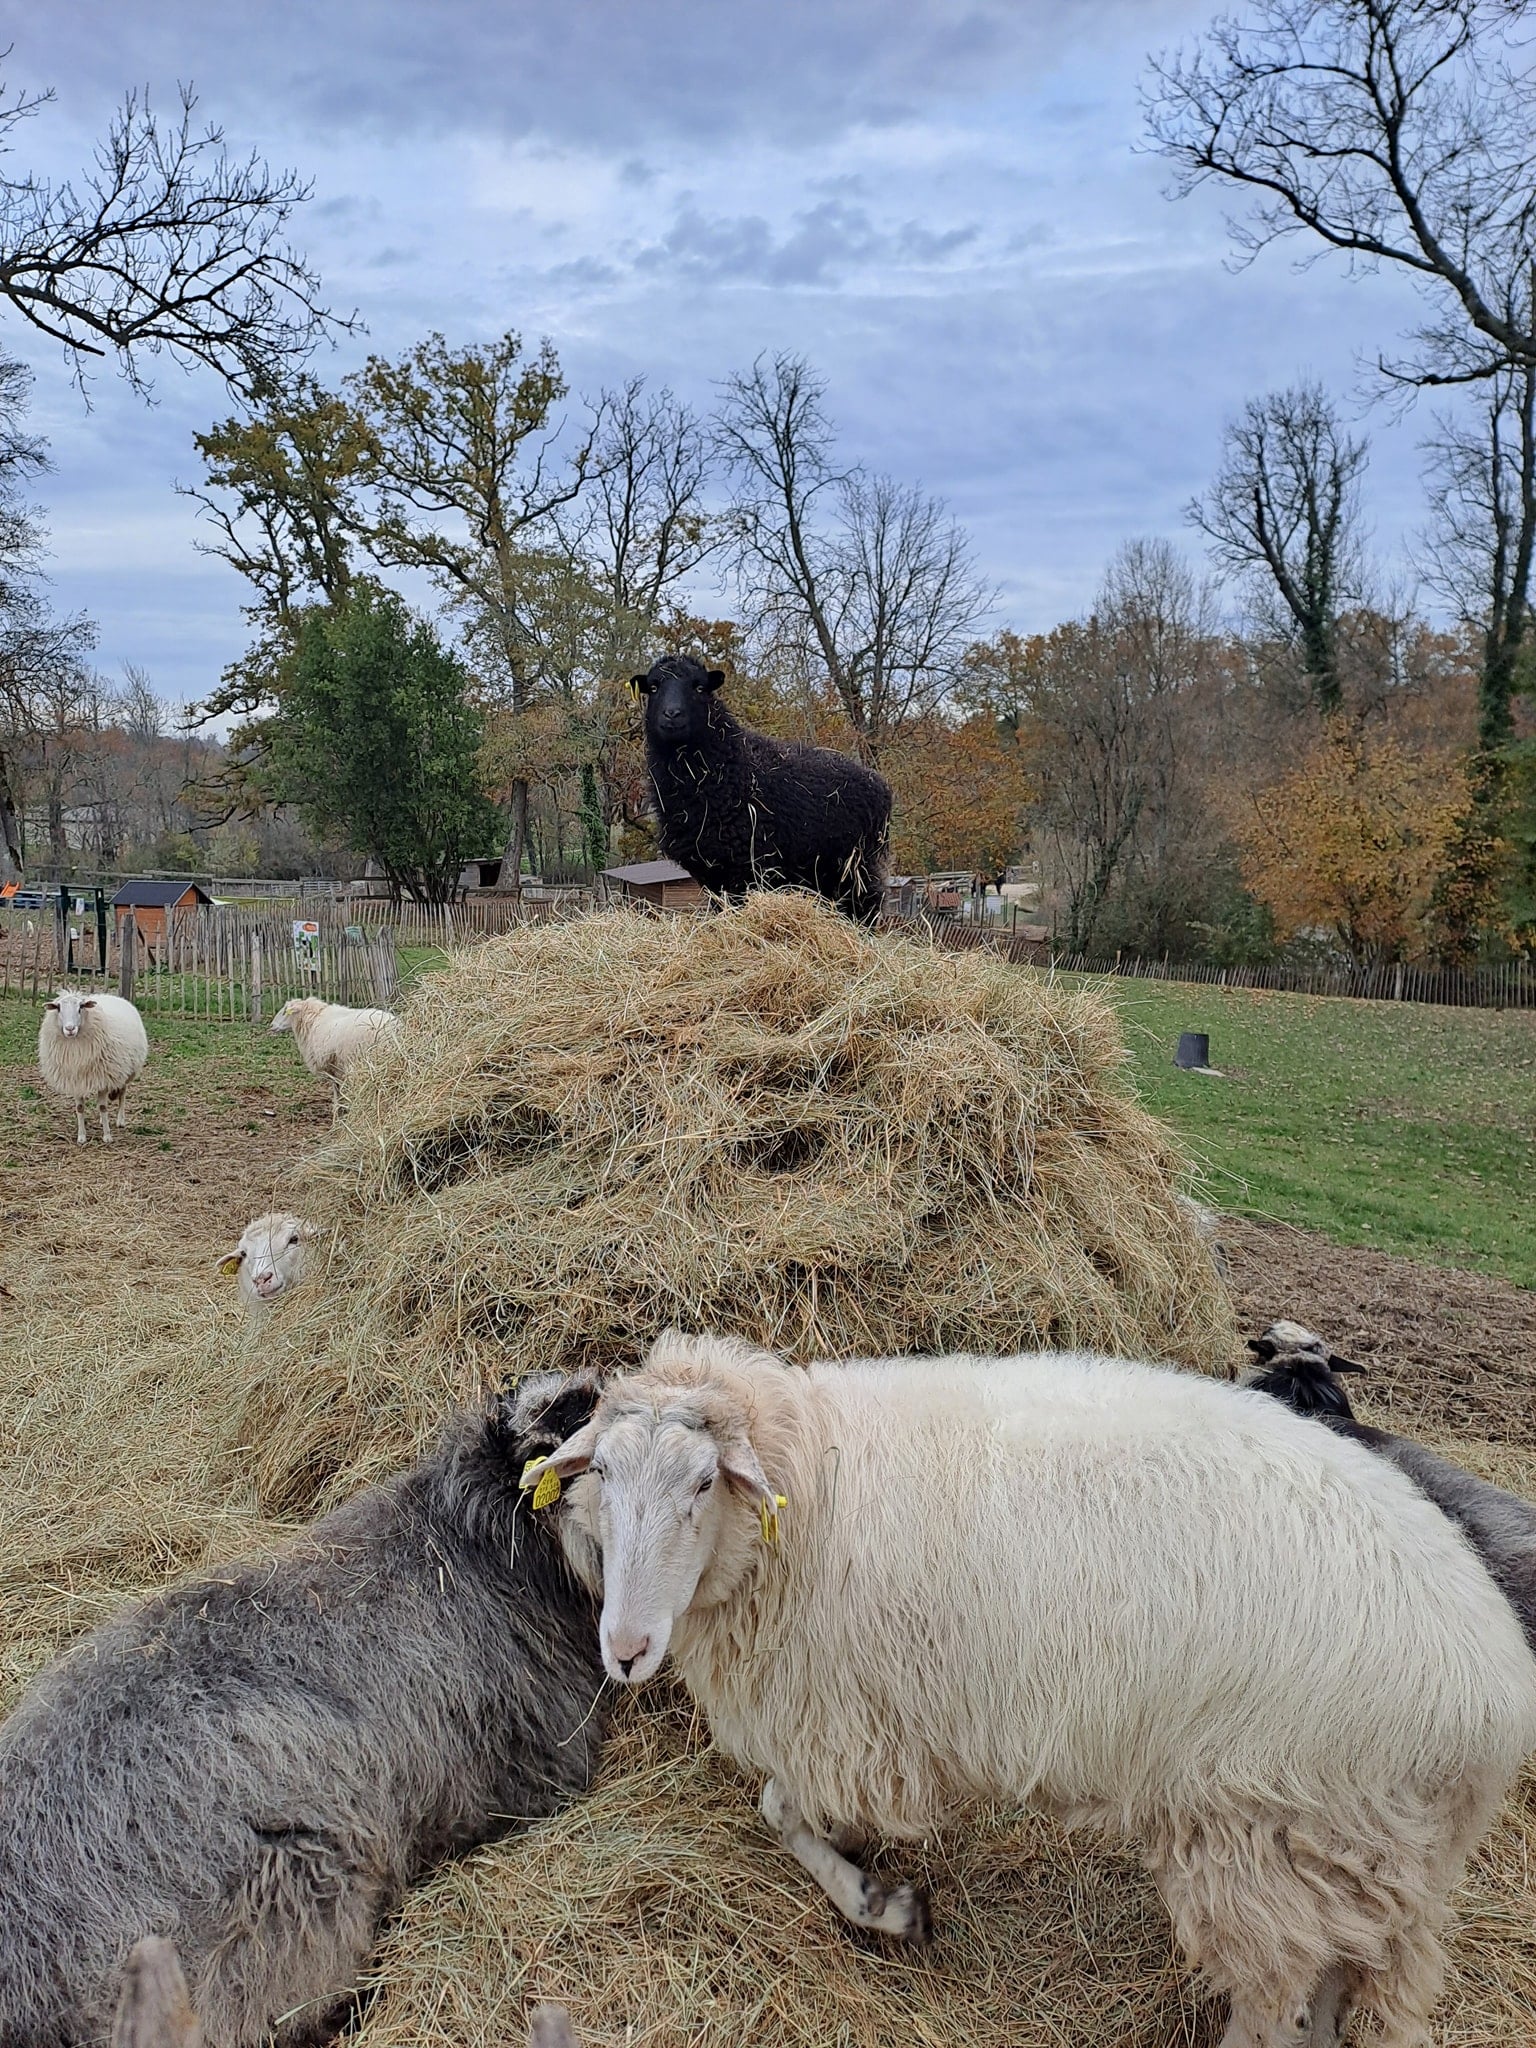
(961, 791)
(1354, 840)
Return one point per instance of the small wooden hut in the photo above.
(660, 883)
(154, 906)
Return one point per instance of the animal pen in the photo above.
(238, 964)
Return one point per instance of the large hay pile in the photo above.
(767, 1122)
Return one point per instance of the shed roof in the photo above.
(648, 871)
(140, 894)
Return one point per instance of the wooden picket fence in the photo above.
(1510, 985)
(238, 965)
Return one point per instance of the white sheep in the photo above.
(89, 1048)
(1136, 1598)
(332, 1039)
(271, 1256)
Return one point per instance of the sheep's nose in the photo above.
(628, 1654)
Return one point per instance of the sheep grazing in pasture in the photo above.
(1298, 1368)
(258, 1763)
(741, 811)
(1131, 1596)
(271, 1256)
(89, 1048)
(332, 1039)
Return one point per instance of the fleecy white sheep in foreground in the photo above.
(89, 1048)
(333, 1038)
(271, 1256)
(1129, 1596)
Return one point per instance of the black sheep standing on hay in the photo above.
(741, 811)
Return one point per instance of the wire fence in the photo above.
(1507, 985)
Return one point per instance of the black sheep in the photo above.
(255, 1765)
(741, 811)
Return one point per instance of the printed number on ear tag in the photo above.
(547, 1491)
(768, 1517)
(545, 1484)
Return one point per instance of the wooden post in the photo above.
(255, 975)
(127, 946)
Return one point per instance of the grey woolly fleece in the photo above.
(256, 1765)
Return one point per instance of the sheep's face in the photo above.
(678, 692)
(283, 1021)
(270, 1256)
(69, 1006)
(665, 1505)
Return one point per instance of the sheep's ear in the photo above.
(640, 686)
(567, 1459)
(1337, 1364)
(87, 1002)
(231, 1263)
(308, 1232)
(1263, 1348)
(714, 679)
(743, 1468)
(51, 1006)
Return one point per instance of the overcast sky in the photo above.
(942, 204)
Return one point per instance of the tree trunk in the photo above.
(11, 860)
(510, 881)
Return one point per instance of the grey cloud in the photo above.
(605, 73)
(826, 242)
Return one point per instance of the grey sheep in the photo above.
(1297, 1367)
(742, 811)
(257, 1764)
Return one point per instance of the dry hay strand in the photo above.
(768, 1122)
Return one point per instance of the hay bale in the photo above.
(767, 1121)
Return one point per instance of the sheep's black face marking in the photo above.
(542, 1411)
(678, 691)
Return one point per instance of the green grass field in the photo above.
(1397, 1125)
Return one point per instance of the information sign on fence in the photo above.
(306, 945)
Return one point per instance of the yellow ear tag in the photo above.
(634, 690)
(768, 1517)
(547, 1492)
(530, 1474)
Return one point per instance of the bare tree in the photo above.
(869, 577)
(1283, 514)
(1106, 702)
(1393, 131)
(645, 529)
(1478, 548)
(166, 245)
(41, 657)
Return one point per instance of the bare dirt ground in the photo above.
(1448, 1354)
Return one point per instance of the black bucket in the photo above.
(1194, 1050)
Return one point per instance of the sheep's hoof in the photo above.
(106, 1135)
(902, 1913)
